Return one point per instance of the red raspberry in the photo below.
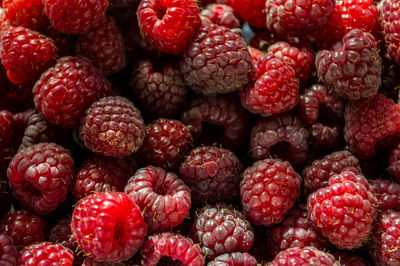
(389, 19)
(275, 90)
(268, 191)
(368, 121)
(304, 256)
(73, 17)
(104, 46)
(8, 252)
(102, 174)
(6, 127)
(46, 253)
(112, 126)
(64, 91)
(159, 93)
(220, 229)
(26, 54)
(162, 197)
(171, 249)
(222, 111)
(344, 211)
(109, 226)
(24, 228)
(387, 194)
(394, 162)
(295, 231)
(217, 61)
(282, 135)
(221, 15)
(256, 55)
(350, 259)
(253, 11)
(353, 69)
(317, 174)
(234, 259)
(26, 13)
(40, 175)
(170, 26)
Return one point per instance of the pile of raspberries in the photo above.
(199, 132)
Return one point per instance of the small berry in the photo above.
(221, 15)
(387, 194)
(234, 259)
(46, 254)
(304, 256)
(389, 12)
(26, 13)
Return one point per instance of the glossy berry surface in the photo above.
(46, 253)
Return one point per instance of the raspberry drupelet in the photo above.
(8, 252)
(234, 259)
(304, 256)
(26, 13)
(46, 253)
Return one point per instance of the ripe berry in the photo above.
(26, 13)
(221, 15)
(252, 11)
(304, 256)
(389, 20)
(387, 194)
(8, 252)
(234, 259)
(46, 253)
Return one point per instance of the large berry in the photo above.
(387, 194)
(8, 252)
(26, 13)
(304, 256)
(252, 11)
(46, 254)
(234, 259)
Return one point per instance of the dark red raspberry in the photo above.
(304, 256)
(26, 13)
(353, 69)
(220, 229)
(26, 54)
(387, 194)
(170, 26)
(217, 61)
(350, 259)
(295, 231)
(369, 121)
(317, 174)
(234, 259)
(394, 162)
(6, 127)
(46, 254)
(344, 211)
(112, 126)
(8, 252)
(221, 15)
(163, 198)
(64, 91)
(102, 174)
(73, 17)
(109, 226)
(268, 191)
(104, 46)
(281, 135)
(24, 228)
(275, 90)
(389, 20)
(252, 11)
(166, 143)
(61, 234)
(171, 249)
(207, 116)
(159, 93)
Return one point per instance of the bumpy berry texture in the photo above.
(387, 194)
(221, 15)
(171, 249)
(29, 14)
(304, 256)
(212, 174)
(268, 191)
(158, 93)
(163, 198)
(26, 54)
(108, 226)
(112, 126)
(104, 46)
(344, 211)
(350, 259)
(40, 175)
(221, 229)
(390, 25)
(275, 89)
(46, 253)
(8, 252)
(73, 17)
(217, 61)
(353, 69)
(252, 11)
(170, 26)
(24, 228)
(234, 259)
(394, 162)
(61, 234)
(369, 121)
(6, 127)
(64, 91)
(102, 174)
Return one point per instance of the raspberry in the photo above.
(295, 231)
(387, 194)
(304, 256)
(73, 17)
(225, 112)
(26, 54)
(24, 228)
(163, 198)
(26, 13)
(8, 252)
(221, 15)
(317, 174)
(282, 135)
(217, 61)
(220, 229)
(112, 126)
(253, 11)
(394, 162)
(64, 91)
(170, 26)
(353, 69)
(268, 191)
(344, 211)
(350, 259)
(171, 249)
(40, 175)
(46, 253)
(104, 46)
(368, 121)
(212, 174)
(234, 259)
(159, 93)
(102, 174)
(275, 90)
(389, 21)
(6, 127)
